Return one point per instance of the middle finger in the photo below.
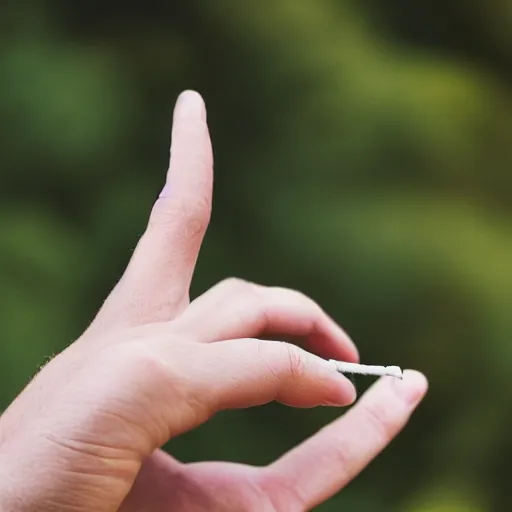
(237, 309)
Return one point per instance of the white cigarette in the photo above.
(363, 369)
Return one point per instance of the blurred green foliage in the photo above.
(363, 155)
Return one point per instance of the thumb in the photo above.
(244, 373)
(169, 387)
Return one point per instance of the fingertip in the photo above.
(350, 392)
(342, 392)
(341, 345)
(353, 352)
(190, 103)
(412, 388)
(190, 173)
(416, 376)
(350, 351)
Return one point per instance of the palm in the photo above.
(164, 485)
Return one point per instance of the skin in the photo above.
(85, 433)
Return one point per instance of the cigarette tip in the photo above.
(395, 371)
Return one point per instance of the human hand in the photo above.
(85, 433)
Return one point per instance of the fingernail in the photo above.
(190, 104)
(411, 388)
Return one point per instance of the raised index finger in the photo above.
(156, 283)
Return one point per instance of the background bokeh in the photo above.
(363, 155)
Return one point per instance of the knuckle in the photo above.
(283, 360)
(250, 300)
(297, 366)
(195, 217)
(190, 216)
(266, 355)
(346, 456)
(342, 452)
(296, 295)
(235, 285)
(381, 420)
(306, 303)
(137, 362)
(131, 355)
